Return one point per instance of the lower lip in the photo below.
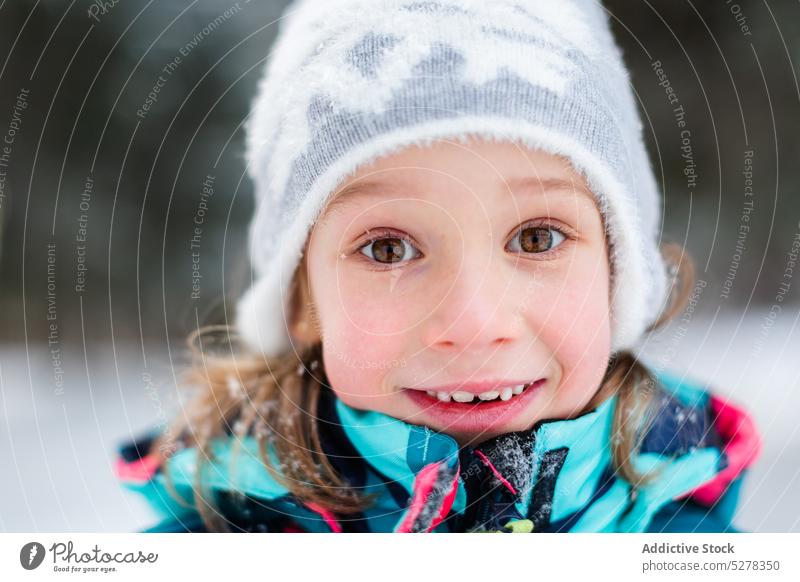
(474, 416)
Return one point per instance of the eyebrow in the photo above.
(547, 184)
(353, 192)
(357, 190)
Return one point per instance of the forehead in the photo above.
(547, 189)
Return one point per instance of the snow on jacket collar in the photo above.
(555, 477)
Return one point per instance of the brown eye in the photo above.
(388, 250)
(538, 239)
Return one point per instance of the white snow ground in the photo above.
(56, 449)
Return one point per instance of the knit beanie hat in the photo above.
(350, 81)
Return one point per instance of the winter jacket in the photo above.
(555, 477)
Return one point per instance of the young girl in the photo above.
(456, 251)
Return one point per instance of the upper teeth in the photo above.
(460, 396)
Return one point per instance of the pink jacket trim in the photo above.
(326, 515)
(139, 470)
(742, 446)
(497, 474)
(423, 485)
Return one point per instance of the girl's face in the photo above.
(445, 278)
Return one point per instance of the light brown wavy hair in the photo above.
(275, 401)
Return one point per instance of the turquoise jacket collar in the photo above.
(571, 449)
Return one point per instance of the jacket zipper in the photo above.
(476, 511)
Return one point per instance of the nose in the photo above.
(475, 311)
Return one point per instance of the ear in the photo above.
(304, 325)
(304, 328)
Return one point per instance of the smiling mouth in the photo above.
(503, 394)
(475, 412)
(498, 395)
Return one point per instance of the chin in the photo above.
(475, 438)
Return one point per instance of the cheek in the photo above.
(360, 374)
(585, 287)
(364, 333)
(365, 317)
(579, 330)
(581, 315)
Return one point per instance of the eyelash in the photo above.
(380, 233)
